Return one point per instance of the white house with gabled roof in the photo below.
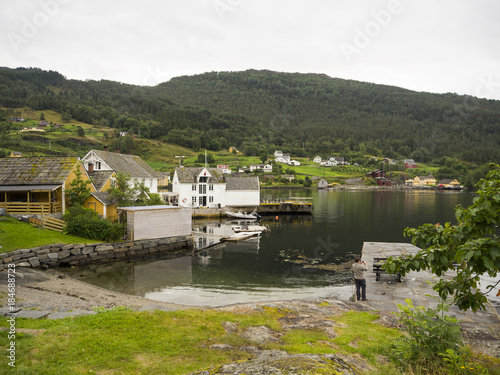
(209, 187)
(100, 165)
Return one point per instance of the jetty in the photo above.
(386, 293)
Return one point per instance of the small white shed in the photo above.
(147, 222)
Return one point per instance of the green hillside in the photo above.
(255, 111)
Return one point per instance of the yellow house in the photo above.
(99, 200)
(14, 154)
(100, 203)
(449, 184)
(37, 185)
(421, 181)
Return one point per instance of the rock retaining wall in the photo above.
(82, 254)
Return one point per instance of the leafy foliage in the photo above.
(470, 248)
(80, 189)
(126, 193)
(259, 111)
(84, 222)
(430, 334)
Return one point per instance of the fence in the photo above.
(32, 208)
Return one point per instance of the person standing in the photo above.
(359, 268)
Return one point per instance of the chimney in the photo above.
(106, 148)
(91, 168)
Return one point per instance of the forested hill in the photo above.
(304, 114)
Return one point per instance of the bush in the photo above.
(431, 337)
(84, 222)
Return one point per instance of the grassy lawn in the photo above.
(15, 234)
(125, 342)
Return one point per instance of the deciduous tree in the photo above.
(469, 249)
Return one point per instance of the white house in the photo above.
(209, 187)
(242, 191)
(293, 162)
(280, 159)
(278, 153)
(224, 168)
(326, 163)
(286, 157)
(199, 187)
(317, 159)
(268, 168)
(101, 165)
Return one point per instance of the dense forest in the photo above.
(259, 111)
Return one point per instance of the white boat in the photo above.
(243, 215)
(250, 228)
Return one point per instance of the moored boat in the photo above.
(243, 215)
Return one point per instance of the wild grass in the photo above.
(15, 234)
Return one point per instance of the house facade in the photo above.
(261, 167)
(199, 187)
(449, 183)
(100, 165)
(209, 187)
(317, 159)
(242, 191)
(421, 181)
(37, 185)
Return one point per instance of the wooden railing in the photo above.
(32, 208)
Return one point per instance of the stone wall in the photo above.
(82, 254)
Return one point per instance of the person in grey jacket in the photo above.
(359, 268)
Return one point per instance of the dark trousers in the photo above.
(360, 288)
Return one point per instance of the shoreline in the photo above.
(50, 292)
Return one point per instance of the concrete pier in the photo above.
(387, 293)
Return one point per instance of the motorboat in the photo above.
(250, 228)
(243, 215)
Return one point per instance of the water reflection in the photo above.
(285, 262)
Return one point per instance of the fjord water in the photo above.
(272, 267)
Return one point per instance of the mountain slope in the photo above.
(258, 111)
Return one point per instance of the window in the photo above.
(193, 201)
(203, 179)
(193, 187)
(211, 199)
(211, 187)
(113, 182)
(98, 165)
(203, 189)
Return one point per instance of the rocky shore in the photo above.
(49, 294)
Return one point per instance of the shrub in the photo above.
(84, 222)
(431, 335)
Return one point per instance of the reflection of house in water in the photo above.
(250, 246)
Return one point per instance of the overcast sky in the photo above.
(425, 45)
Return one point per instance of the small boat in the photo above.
(243, 215)
(250, 228)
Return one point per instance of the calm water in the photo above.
(282, 263)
